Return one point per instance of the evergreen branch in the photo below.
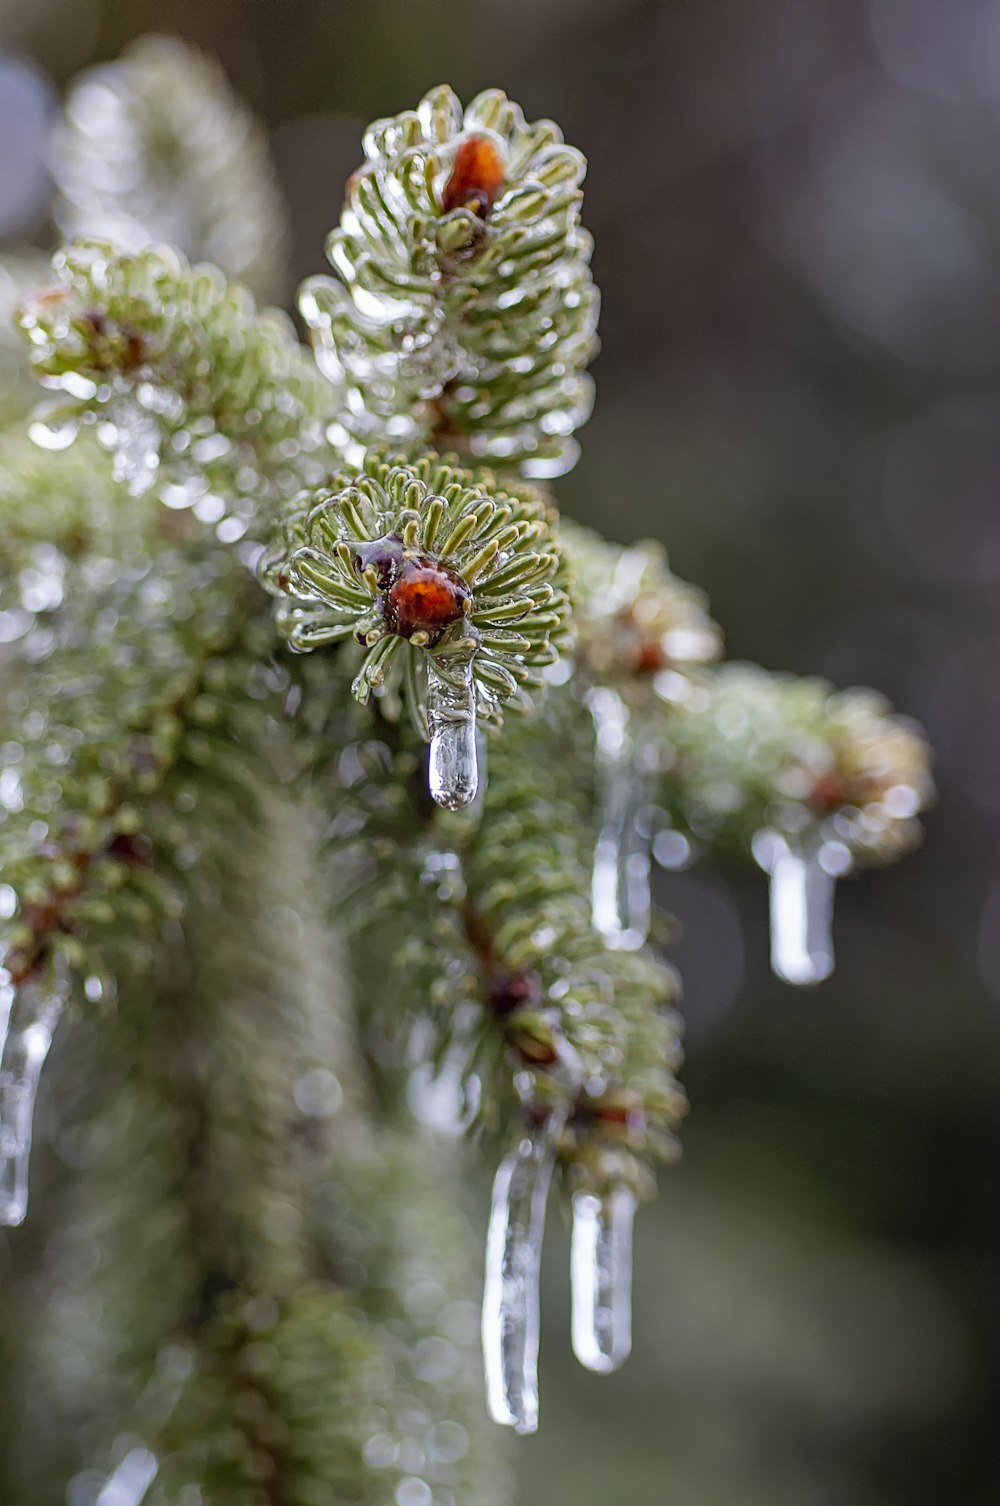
(504, 897)
(119, 647)
(435, 561)
(758, 751)
(639, 629)
(155, 149)
(562, 998)
(307, 1365)
(463, 314)
(187, 383)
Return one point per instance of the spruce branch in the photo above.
(638, 628)
(186, 382)
(197, 826)
(757, 751)
(110, 673)
(155, 150)
(529, 992)
(578, 1016)
(463, 313)
(286, 1339)
(454, 585)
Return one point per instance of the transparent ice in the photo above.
(601, 1277)
(621, 905)
(128, 1484)
(30, 1015)
(453, 770)
(801, 900)
(511, 1311)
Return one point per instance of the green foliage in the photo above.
(463, 314)
(197, 824)
(756, 751)
(563, 998)
(188, 384)
(133, 168)
(434, 561)
(120, 629)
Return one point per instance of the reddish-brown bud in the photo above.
(827, 793)
(426, 597)
(510, 991)
(476, 177)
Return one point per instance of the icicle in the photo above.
(451, 716)
(54, 431)
(511, 1315)
(801, 896)
(128, 1484)
(601, 1277)
(26, 1037)
(621, 905)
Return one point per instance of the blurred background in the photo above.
(797, 221)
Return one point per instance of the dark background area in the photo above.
(797, 219)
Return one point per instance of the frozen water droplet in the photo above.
(511, 1313)
(136, 445)
(56, 432)
(453, 770)
(621, 904)
(801, 897)
(30, 1024)
(601, 1276)
(129, 1482)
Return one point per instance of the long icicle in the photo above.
(511, 1308)
(33, 1012)
(453, 770)
(621, 904)
(801, 903)
(601, 1277)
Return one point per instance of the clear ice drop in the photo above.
(801, 897)
(29, 1027)
(453, 770)
(601, 1277)
(128, 1483)
(621, 904)
(511, 1315)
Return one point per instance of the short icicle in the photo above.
(601, 1277)
(130, 1482)
(511, 1314)
(453, 771)
(32, 1015)
(621, 904)
(801, 901)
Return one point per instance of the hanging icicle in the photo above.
(130, 1482)
(801, 901)
(601, 1276)
(511, 1308)
(621, 903)
(33, 1011)
(453, 768)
